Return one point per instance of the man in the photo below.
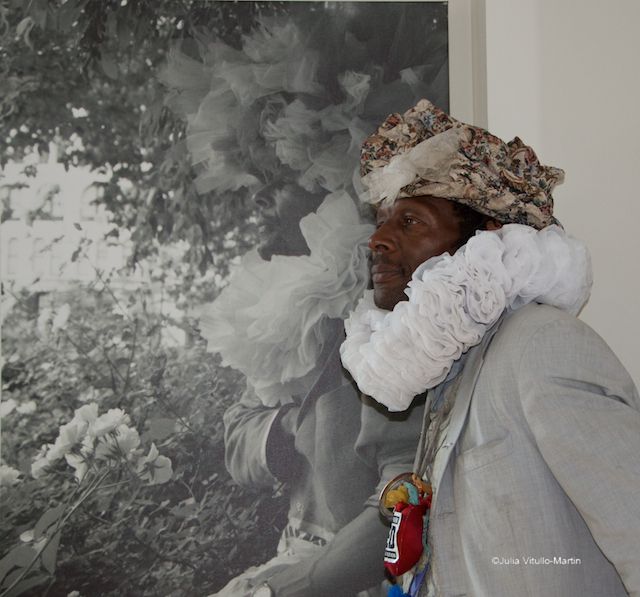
(519, 393)
(533, 434)
(304, 440)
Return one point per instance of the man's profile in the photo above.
(465, 365)
(532, 429)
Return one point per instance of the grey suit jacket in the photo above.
(327, 481)
(538, 490)
(332, 488)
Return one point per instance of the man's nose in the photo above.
(381, 241)
(264, 197)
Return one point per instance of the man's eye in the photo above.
(408, 220)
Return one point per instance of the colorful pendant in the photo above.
(405, 500)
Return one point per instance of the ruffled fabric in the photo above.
(299, 93)
(236, 113)
(227, 98)
(272, 321)
(323, 145)
(453, 301)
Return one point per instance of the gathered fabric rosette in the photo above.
(271, 321)
(453, 301)
(299, 93)
(288, 104)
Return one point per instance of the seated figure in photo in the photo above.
(300, 430)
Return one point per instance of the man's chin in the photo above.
(277, 244)
(387, 299)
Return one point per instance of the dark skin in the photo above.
(407, 234)
(283, 206)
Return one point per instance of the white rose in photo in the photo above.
(79, 464)
(109, 422)
(71, 434)
(119, 443)
(87, 412)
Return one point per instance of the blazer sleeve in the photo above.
(584, 413)
(254, 442)
(350, 563)
(387, 443)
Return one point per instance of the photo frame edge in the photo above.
(468, 61)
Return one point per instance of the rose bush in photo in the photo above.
(114, 473)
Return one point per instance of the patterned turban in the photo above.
(427, 152)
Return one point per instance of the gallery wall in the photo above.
(564, 76)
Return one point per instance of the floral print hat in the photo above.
(427, 152)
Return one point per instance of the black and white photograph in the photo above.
(318, 298)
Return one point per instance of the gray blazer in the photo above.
(537, 486)
(327, 482)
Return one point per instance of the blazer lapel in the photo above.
(467, 384)
(330, 376)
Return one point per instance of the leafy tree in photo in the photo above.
(184, 536)
(83, 75)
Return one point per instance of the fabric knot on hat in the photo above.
(427, 152)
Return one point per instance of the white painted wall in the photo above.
(564, 75)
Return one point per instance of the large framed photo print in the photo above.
(182, 241)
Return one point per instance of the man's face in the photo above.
(408, 233)
(283, 206)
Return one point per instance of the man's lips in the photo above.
(382, 272)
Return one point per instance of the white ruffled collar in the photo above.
(453, 301)
(274, 317)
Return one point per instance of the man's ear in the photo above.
(493, 225)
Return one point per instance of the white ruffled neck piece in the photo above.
(273, 319)
(453, 300)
